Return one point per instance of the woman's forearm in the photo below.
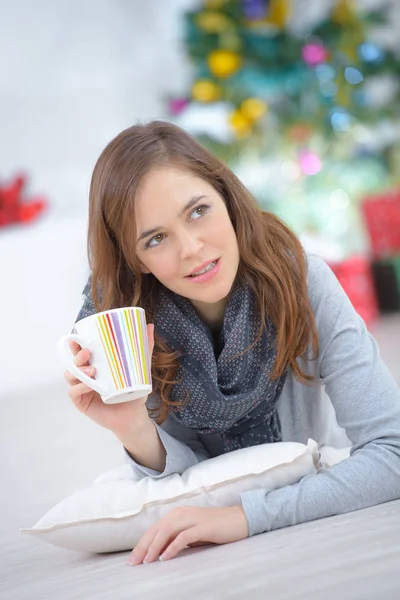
(141, 440)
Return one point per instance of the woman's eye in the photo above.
(199, 211)
(155, 241)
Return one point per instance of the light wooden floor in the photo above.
(48, 450)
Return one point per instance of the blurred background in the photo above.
(301, 98)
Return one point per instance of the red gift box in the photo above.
(355, 277)
(382, 218)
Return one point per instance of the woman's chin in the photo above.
(211, 296)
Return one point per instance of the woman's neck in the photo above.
(212, 314)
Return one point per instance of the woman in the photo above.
(248, 332)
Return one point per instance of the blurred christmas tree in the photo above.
(305, 115)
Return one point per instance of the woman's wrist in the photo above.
(139, 419)
(141, 440)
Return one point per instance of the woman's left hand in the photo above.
(186, 526)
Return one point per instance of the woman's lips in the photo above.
(205, 264)
(208, 275)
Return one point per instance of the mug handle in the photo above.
(67, 358)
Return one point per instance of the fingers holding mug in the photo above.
(75, 347)
(121, 348)
(71, 379)
(82, 355)
(150, 337)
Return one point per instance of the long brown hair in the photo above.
(272, 260)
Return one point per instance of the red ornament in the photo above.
(355, 277)
(14, 208)
(29, 212)
(382, 218)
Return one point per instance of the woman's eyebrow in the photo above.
(154, 230)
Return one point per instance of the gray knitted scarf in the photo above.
(228, 394)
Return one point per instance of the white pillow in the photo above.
(112, 514)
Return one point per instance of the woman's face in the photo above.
(183, 227)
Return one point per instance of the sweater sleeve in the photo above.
(367, 405)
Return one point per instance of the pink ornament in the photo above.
(310, 163)
(314, 54)
(177, 105)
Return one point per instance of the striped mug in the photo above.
(117, 340)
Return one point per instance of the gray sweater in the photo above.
(366, 403)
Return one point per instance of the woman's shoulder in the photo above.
(322, 283)
(317, 269)
(331, 306)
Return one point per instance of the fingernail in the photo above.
(88, 370)
(147, 558)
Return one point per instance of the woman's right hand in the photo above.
(116, 417)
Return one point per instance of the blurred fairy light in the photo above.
(324, 72)
(339, 199)
(362, 134)
(340, 119)
(314, 54)
(328, 88)
(353, 75)
(370, 52)
(291, 170)
(310, 163)
(338, 223)
(254, 9)
(296, 193)
(254, 174)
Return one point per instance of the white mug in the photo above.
(117, 340)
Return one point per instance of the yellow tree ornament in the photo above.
(240, 123)
(205, 90)
(278, 13)
(224, 63)
(253, 108)
(212, 21)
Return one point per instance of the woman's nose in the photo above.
(189, 244)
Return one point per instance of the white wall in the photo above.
(73, 74)
(42, 272)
